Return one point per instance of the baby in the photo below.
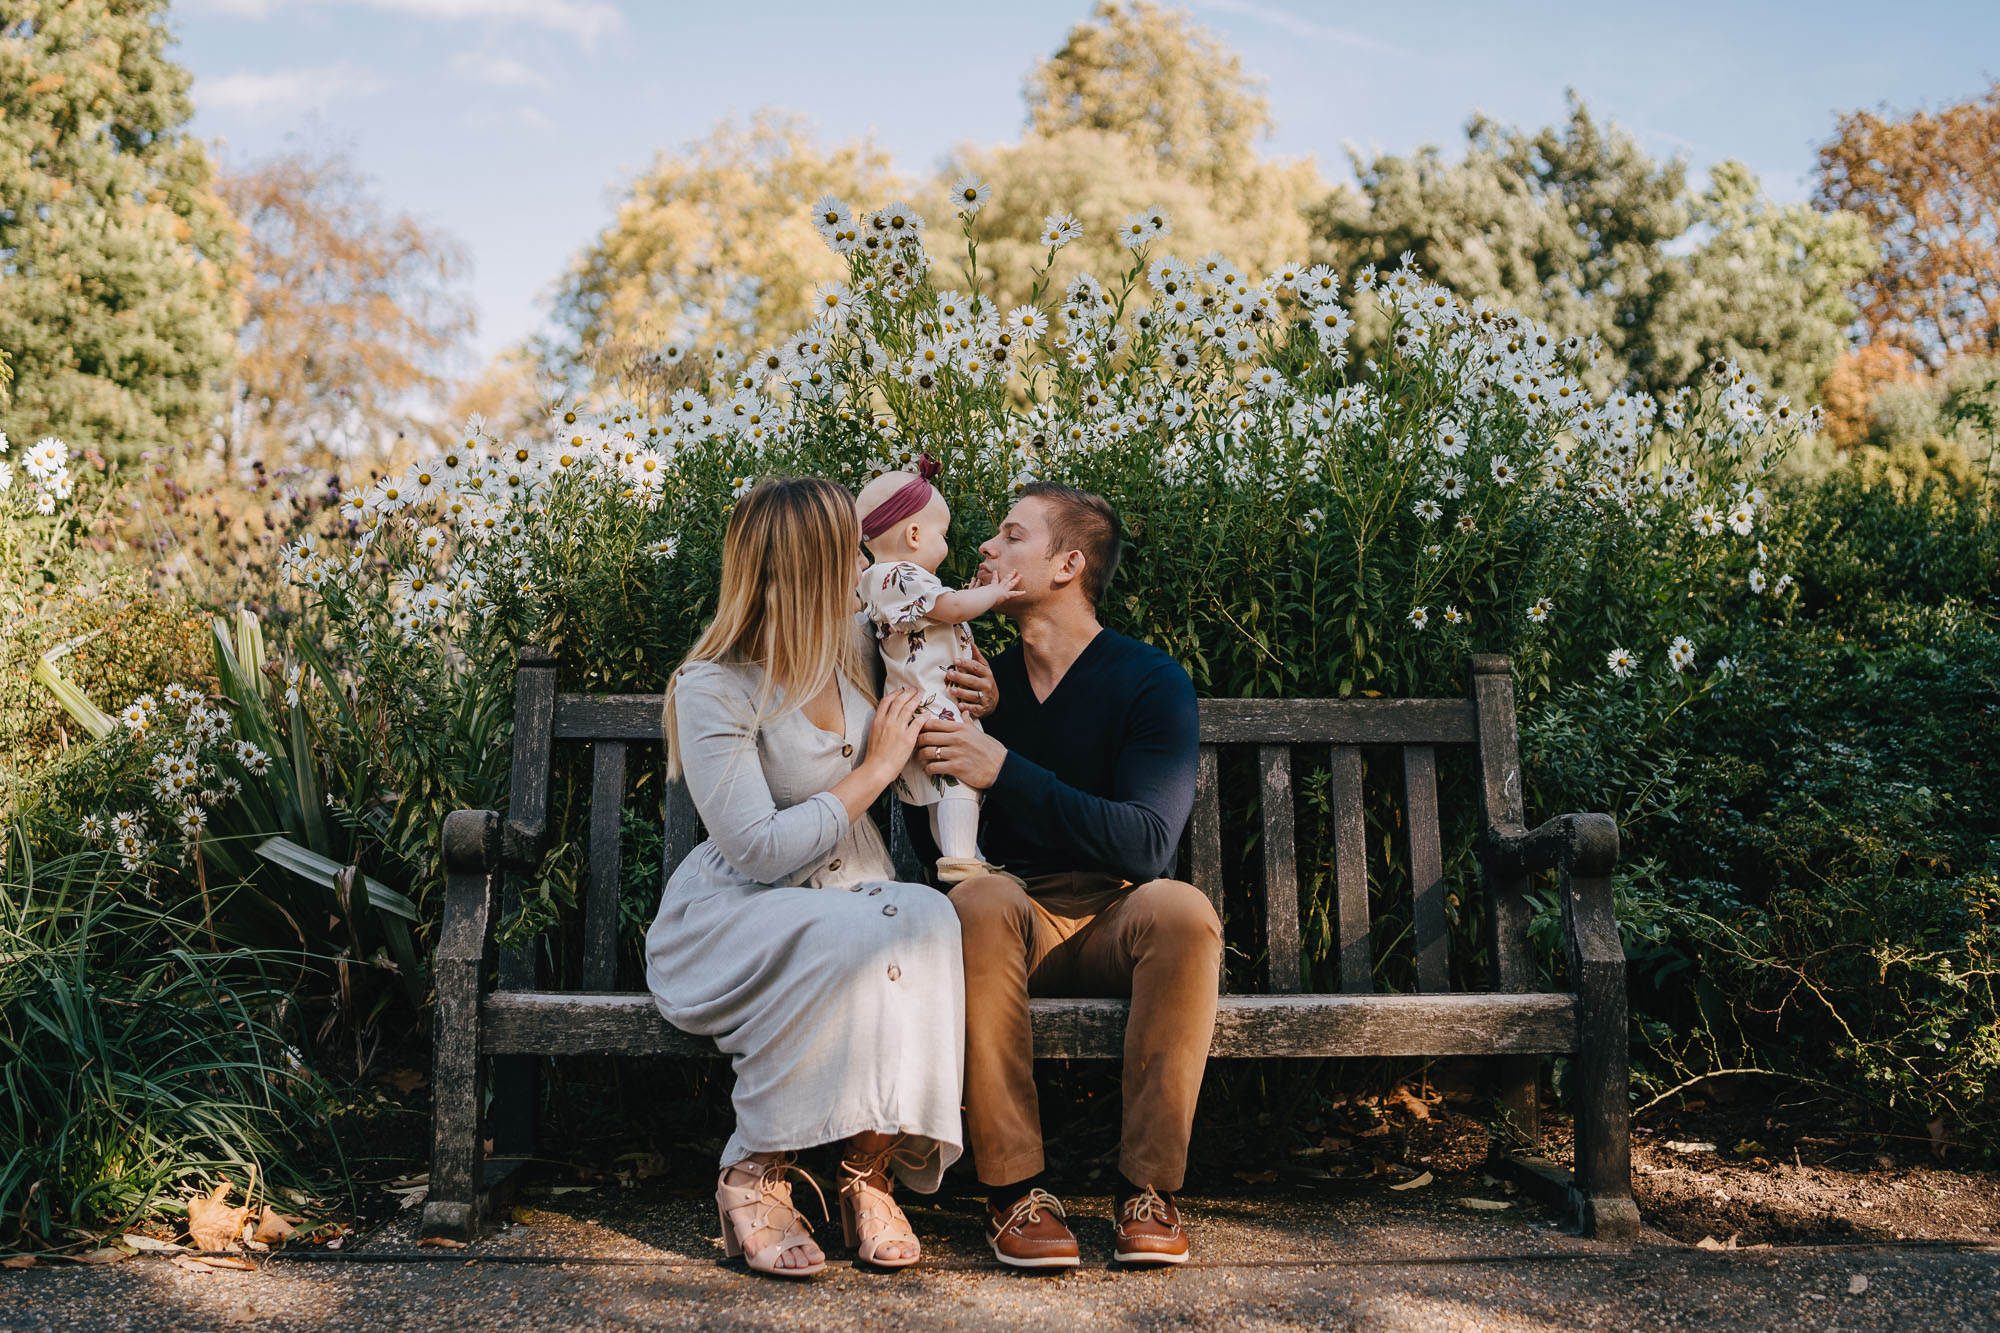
(921, 626)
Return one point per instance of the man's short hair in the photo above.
(1080, 521)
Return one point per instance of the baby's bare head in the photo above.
(920, 537)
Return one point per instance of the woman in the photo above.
(837, 992)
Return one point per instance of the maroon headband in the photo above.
(905, 502)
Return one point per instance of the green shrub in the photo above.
(139, 1054)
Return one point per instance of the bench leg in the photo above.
(451, 1208)
(1602, 1192)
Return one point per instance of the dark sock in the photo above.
(1127, 1190)
(1003, 1196)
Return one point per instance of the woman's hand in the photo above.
(893, 734)
(972, 685)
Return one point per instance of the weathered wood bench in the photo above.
(514, 1022)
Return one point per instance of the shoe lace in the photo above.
(1028, 1208)
(1146, 1206)
(771, 1179)
(862, 1168)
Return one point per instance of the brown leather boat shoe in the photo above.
(1031, 1232)
(1149, 1230)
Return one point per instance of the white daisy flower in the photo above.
(1420, 616)
(1454, 616)
(1503, 471)
(664, 548)
(1059, 229)
(1540, 610)
(1757, 580)
(1680, 653)
(1427, 509)
(1620, 661)
(91, 828)
(969, 194)
(1741, 518)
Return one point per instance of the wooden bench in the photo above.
(514, 1022)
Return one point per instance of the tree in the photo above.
(117, 287)
(1101, 178)
(1928, 187)
(1765, 285)
(352, 316)
(714, 243)
(1165, 85)
(1576, 226)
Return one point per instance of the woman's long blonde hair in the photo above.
(787, 598)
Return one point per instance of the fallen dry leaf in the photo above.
(1857, 1284)
(1484, 1205)
(1709, 1243)
(229, 1261)
(110, 1254)
(1409, 1101)
(191, 1264)
(404, 1080)
(1420, 1181)
(152, 1244)
(18, 1261)
(442, 1242)
(1256, 1177)
(273, 1227)
(213, 1224)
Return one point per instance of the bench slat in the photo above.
(1338, 721)
(1205, 833)
(600, 908)
(1350, 872)
(1246, 1026)
(1281, 870)
(636, 717)
(1420, 815)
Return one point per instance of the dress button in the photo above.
(888, 909)
(834, 864)
(854, 888)
(895, 973)
(877, 889)
(846, 750)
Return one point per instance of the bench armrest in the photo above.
(471, 865)
(1584, 845)
(1583, 849)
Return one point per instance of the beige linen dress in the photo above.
(837, 992)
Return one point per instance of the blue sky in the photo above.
(511, 123)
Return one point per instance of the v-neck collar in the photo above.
(1068, 672)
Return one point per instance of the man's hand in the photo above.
(958, 750)
(972, 685)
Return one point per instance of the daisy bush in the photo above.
(1305, 515)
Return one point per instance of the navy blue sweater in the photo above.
(1100, 775)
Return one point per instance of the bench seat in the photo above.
(1461, 1023)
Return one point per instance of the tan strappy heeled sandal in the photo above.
(863, 1201)
(770, 1194)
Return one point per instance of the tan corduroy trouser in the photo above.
(1087, 935)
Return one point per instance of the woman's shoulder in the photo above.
(729, 681)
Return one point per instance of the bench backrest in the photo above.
(1484, 720)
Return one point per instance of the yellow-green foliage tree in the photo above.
(712, 243)
(1139, 108)
(117, 292)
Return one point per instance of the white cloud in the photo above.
(585, 20)
(284, 89)
(498, 70)
(1286, 21)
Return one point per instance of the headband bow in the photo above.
(907, 500)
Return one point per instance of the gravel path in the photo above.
(613, 1259)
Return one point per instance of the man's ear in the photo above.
(1067, 570)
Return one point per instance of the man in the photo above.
(1088, 765)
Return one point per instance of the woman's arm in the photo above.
(726, 780)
